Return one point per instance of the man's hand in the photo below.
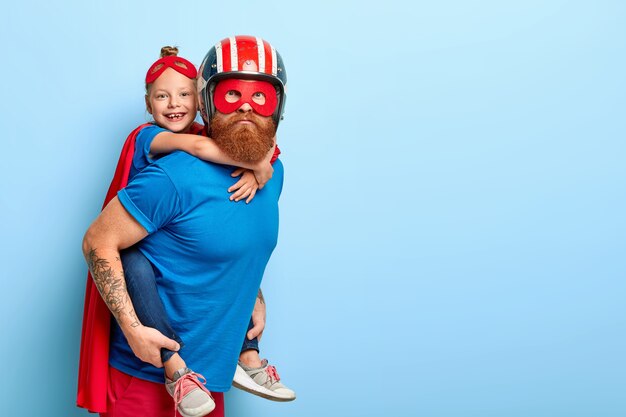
(258, 318)
(147, 342)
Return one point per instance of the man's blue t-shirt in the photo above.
(209, 255)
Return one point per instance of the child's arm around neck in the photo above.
(204, 148)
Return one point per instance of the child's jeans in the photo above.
(141, 284)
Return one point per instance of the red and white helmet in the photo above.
(242, 57)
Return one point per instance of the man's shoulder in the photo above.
(177, 159)
(174, 158)
(180, 163)
(278, 166)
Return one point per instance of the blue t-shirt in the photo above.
(141, 157)
(209, 255)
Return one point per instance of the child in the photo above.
(171, 99)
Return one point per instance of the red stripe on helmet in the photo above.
(247, 50)
(226, 54)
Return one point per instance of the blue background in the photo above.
(453, 217)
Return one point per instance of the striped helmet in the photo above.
(243, 57)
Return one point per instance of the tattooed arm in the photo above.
(258, 317)
(112, 231)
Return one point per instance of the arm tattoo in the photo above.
(260, 296)
(134, 318)
(111, 288)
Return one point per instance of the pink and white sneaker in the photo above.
(263, 381)
(191, 397)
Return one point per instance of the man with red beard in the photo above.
(209, 254)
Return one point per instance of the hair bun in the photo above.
(169, 51)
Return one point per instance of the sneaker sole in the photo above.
(200, 411)
(243, 382)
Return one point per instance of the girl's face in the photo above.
(172, 101)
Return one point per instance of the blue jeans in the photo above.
(141, 285)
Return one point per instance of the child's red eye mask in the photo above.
(176, 63)
(246, 92)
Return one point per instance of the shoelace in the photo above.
(193, 378)
(271, 372)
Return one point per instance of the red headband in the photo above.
(173, 62)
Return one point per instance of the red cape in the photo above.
(93, 367)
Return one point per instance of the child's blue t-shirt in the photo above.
(209, 255)
(141, 157)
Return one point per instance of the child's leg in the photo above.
(141, 284)
(250, 350)
(257, 376)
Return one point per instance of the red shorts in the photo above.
(129, 396)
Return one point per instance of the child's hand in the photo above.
(263, 173)
(247, 185)
(264, 169)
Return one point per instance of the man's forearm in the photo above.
(108, 275)
(115, 229)
(259, 296)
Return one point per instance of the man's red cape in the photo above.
(93, 367)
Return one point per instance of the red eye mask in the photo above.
(246, 90)
(186, 68)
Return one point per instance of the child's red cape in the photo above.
(93, 367)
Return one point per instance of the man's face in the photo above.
(242, 133)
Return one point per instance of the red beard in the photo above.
(243, 142)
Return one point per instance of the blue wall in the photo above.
(453, 231)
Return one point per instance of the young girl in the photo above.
(173, 106)
(171, 99)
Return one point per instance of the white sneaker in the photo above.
(263, 381)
